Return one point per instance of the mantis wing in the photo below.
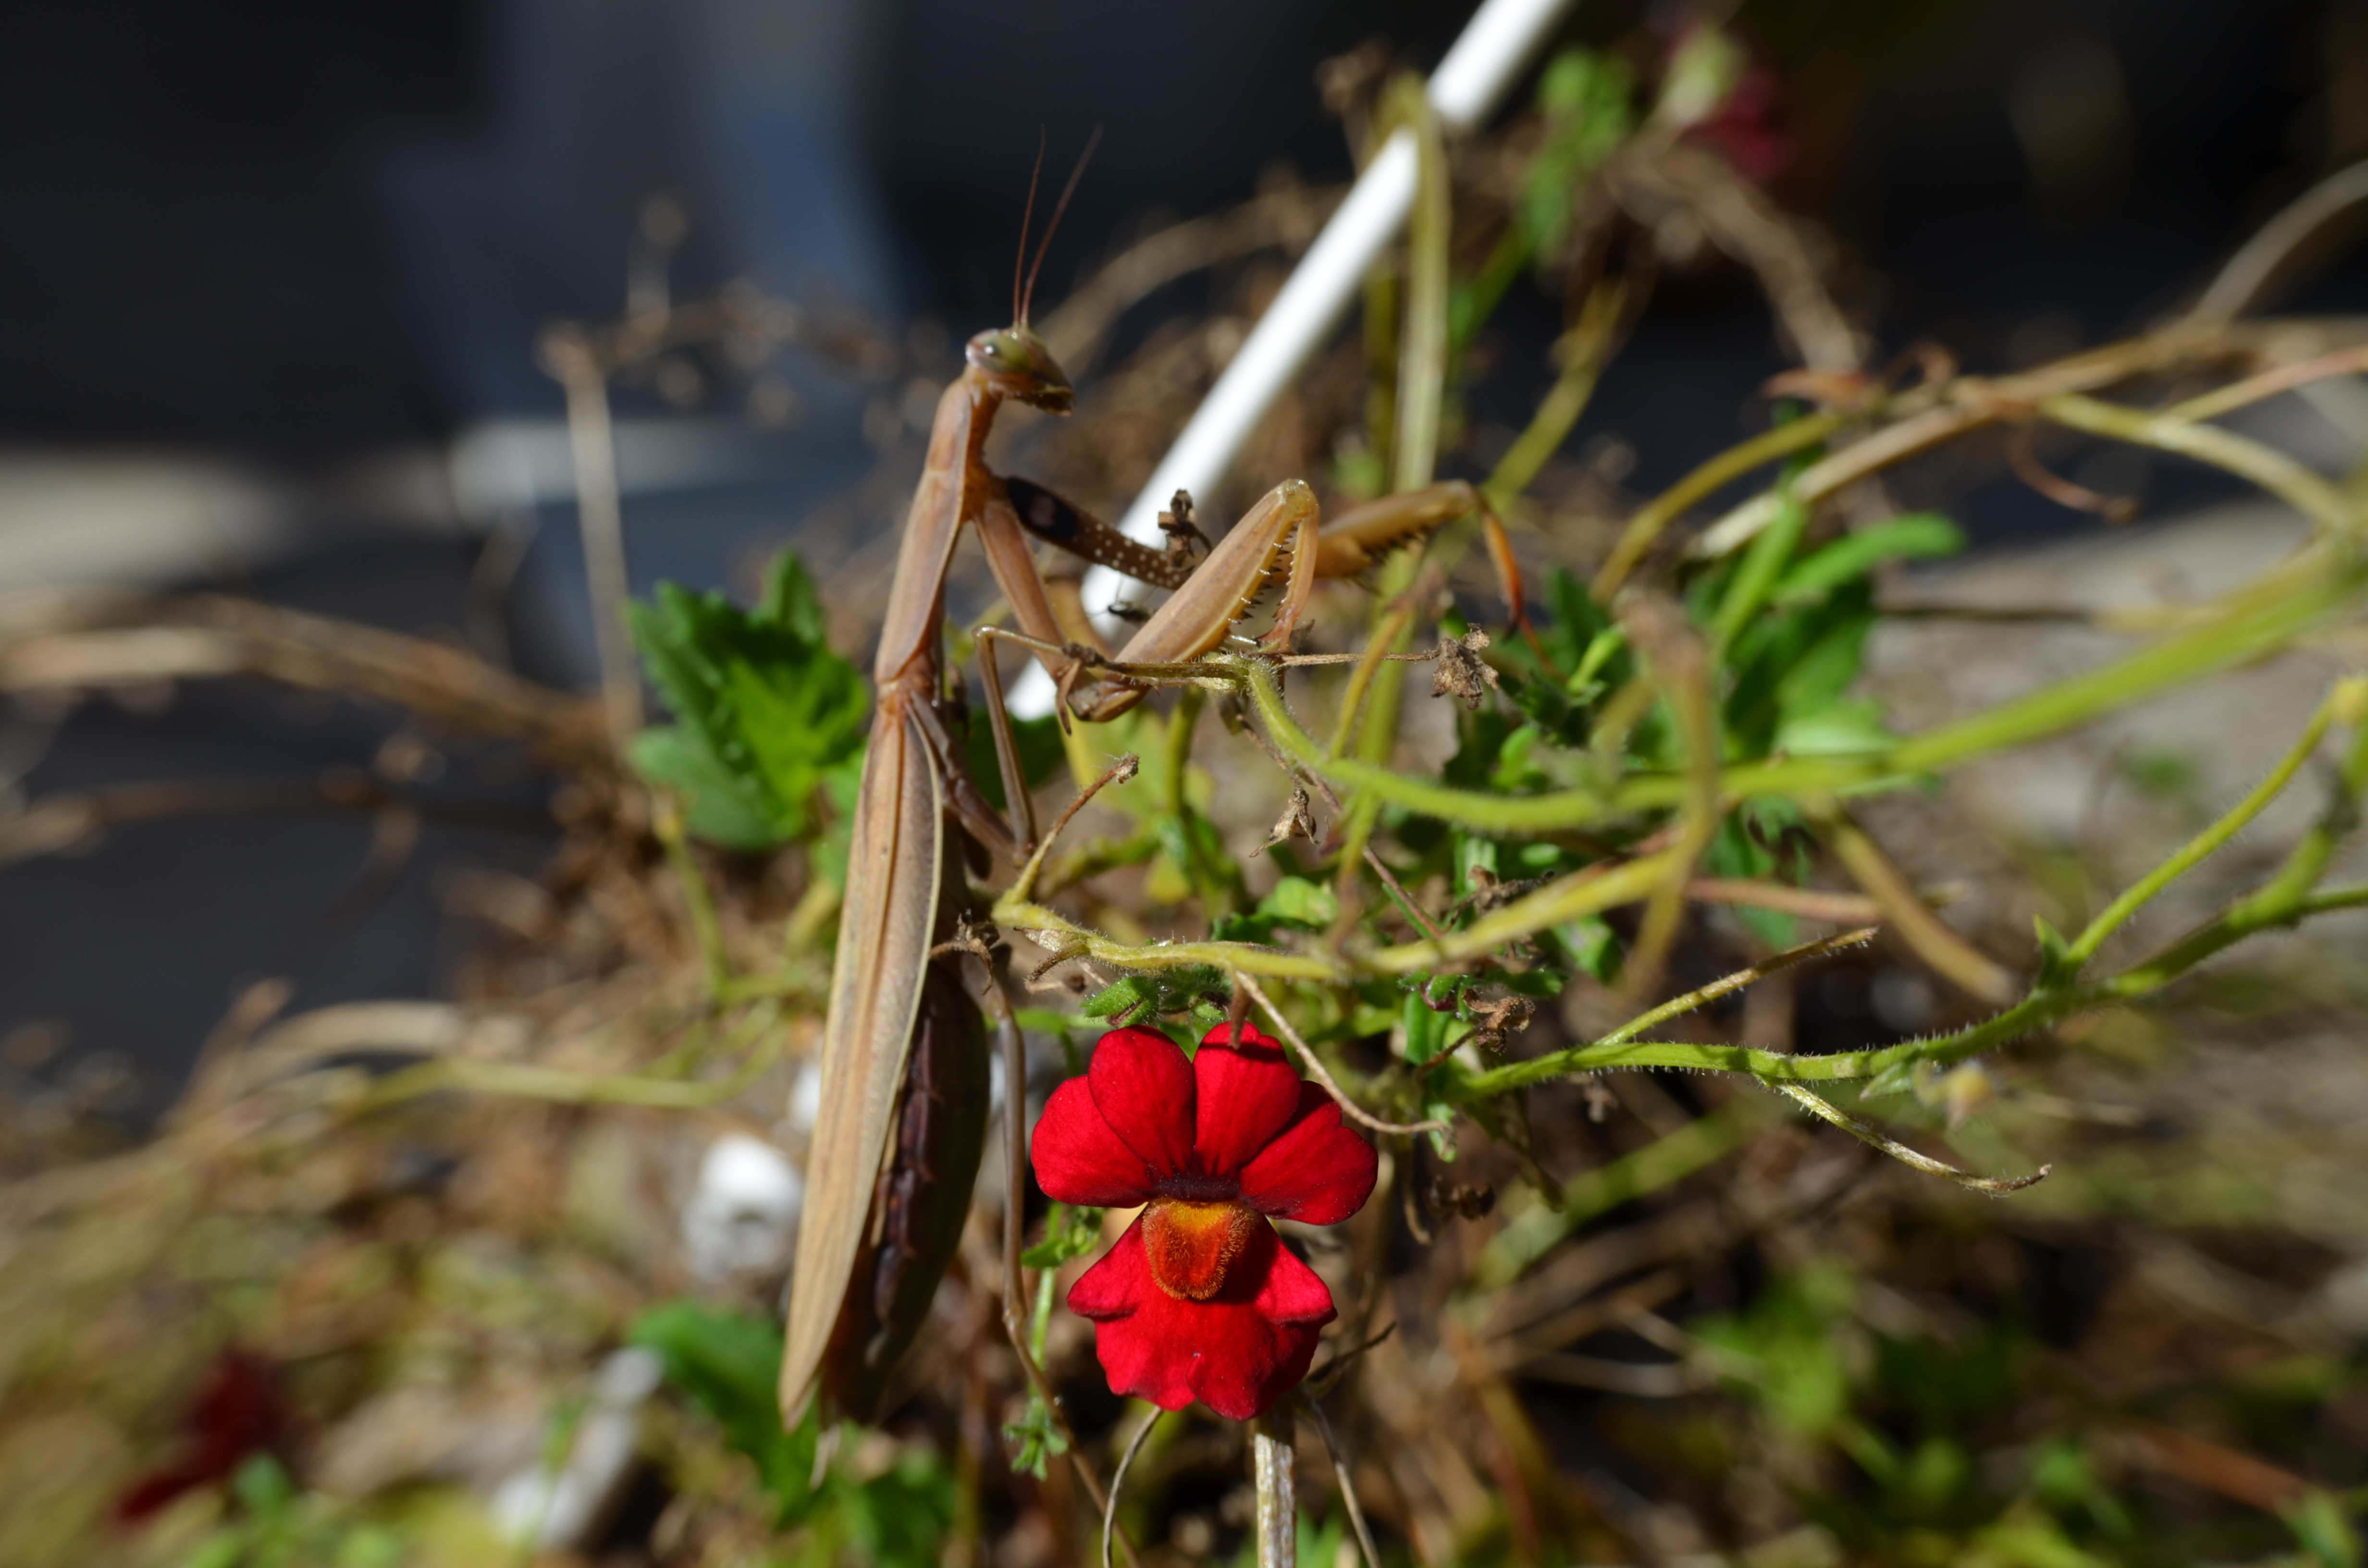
(893, 865)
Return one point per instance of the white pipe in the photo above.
(1285, 338)
(1468, 86)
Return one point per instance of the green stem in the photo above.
(1040, 1324)
(1728, 984)
(1377, 731)
(1276, 1525)
(2274, 471)
(2266, 619)
(1582, 352)
(1587, 891)
(1536, 1231)
(2035, 1012)
(2142, 892)
(1217, 883)
(1056, 932)
(1422, 354)
(1755, 579)
(1645, 528)
(698, 900)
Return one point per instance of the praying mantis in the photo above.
(901, 1124)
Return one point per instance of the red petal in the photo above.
(1293, 1294)
(1143, 1086)
(1119, 1282)
(1237, 1352)
(1318, 1172)
(1138, 1356)
(1248, 1094)
(1079, 1160)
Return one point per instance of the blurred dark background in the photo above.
(274, 272)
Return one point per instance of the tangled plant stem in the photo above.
(2314, 589)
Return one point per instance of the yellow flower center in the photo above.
(1191, 1245)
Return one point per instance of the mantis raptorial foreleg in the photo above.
(1279, 537)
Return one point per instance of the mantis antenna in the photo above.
(1019, 310)
(1061, 206)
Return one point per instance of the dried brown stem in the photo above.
(1962, 964)
(208, 637)
(1323, 1076)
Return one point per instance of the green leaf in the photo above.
(1034, 1439)
(1899, 1078)
(791, 601)
(1318, 1544)
(718, 810)
(1838, 729)
(1437, 1108)
(2324, 1532)
(1427, 1030)
(1703, 71)
(1584, 100)
(370, 1547)
(1756, 577)
(2056, 965)
(1069, 1233)
(1918, 536)
(840, 786)
(766, 713)
(1295, 900)
(262, 1488)
(1135, 999)
(1593, 946)
(1127, 1000)
(1801, 1378)
(729, 1365)
(1831, 652)
(907, 1513)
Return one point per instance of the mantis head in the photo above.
(1016, 362)
(1013, 359)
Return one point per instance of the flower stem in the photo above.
(1278, 1505)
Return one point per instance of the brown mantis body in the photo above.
(894, 1149)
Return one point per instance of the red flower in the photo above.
(236, 1412)
(1200, 1299)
